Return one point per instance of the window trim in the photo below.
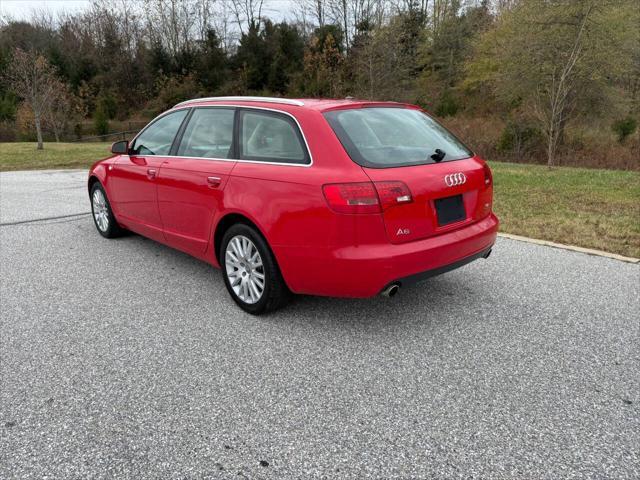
(183, 128)
(306, 144)
(152, 122)
(306, 160)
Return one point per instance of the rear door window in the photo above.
(209, 134)
(157, 137)
(271, 137)
(382, 137)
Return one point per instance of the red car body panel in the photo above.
(174, 200)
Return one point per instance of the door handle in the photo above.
(214, 182)
(152, 173)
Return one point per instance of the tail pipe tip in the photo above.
(391, 290)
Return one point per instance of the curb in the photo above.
(588, 251)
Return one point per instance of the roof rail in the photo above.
(286, 101)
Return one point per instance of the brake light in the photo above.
(488, 176)
(393, 193)
(352, 197)
(366, 197)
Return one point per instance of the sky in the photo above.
(21, 9)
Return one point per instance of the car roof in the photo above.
(318, 104)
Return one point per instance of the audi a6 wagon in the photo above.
(344, 198)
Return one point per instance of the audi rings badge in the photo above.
(455, 179)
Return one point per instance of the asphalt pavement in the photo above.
(126, 359)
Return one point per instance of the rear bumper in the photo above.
(418, 277)
(365, 270)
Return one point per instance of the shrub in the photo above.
(25, 127)
(519, 138)
(107, 104)
(100, 122)
(624, 128)
(8, 106)
(447, 107)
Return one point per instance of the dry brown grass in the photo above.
(589, 146)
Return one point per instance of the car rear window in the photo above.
(270, 137)
(383, 137)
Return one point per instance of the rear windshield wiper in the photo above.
(438, 155)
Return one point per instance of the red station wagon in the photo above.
(345, 198)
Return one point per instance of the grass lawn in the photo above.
(589, 208)
(24, 156)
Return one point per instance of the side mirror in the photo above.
(121, 147)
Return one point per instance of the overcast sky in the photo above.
(22, 9)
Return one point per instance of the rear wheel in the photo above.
(102, 214)
(250, 271)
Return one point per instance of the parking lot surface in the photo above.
(124, 358)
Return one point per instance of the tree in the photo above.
(268, 57)
(253, 57)
(33, 78)
(60, 110)
(552, 59)
(247, 12)
(443, 52)
(211, 67)
(323, 64)
(382, 60)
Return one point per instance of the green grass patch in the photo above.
(585, 207)
(25, 156)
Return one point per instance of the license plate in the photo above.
(450, 210)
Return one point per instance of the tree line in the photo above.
(540, 68)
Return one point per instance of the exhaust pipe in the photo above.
(391, 290)
(486, 255)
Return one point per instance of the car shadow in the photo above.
(418, 303)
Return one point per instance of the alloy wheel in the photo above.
(100, 210)
(244, 268)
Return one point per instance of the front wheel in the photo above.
(250, 271)
(102, 213)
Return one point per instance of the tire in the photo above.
(254, 283)
(102, 214)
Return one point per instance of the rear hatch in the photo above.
(427, 181)
(445, 197)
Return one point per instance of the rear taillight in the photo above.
(488, 177)
(393, 193)
(352, 197)
(366, 197)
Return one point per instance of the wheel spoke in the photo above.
(237, 247)
(254, 288)
(253, 295)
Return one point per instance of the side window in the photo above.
(209, 133)
(157, 138)
(270, 137)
